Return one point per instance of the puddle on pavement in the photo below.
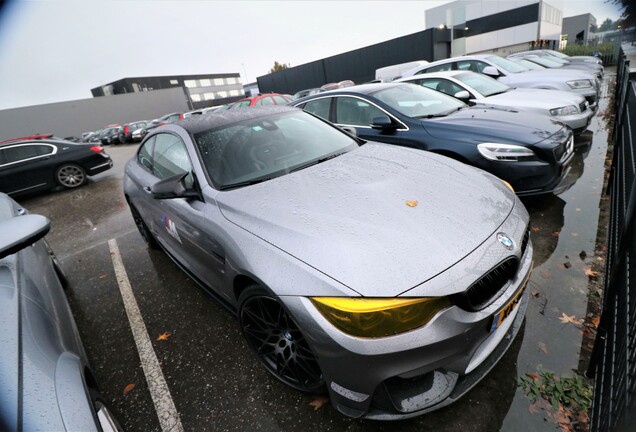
(563, 233)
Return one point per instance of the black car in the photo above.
(125, 132)
(46, 382)
(32, 165)
(106, 135)
(530, 151)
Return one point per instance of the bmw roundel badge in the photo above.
(504, 240)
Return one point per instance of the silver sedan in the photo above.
(477, 89)
(393, 279)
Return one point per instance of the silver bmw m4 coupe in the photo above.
(391, 278)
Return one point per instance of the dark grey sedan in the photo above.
(530, 151)
(392, 278)
(46, 383)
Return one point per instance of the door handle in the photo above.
(147, 190)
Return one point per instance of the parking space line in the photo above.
(164, 405)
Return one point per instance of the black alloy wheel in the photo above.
(143, 229)
(277, 341)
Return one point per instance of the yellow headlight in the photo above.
(509, 185)
(379, 317)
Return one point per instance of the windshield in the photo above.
(557, 54)
(483, 84)
(528, 64)
(555, 59)
(507, 65)
(262, 148)
(545, 62)
(418, 102)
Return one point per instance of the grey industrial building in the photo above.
(200, 90)
(579, 29)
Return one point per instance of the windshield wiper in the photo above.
(245, 183)
(317, 161)
(441, 114)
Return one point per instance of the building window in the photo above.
(190, 83)
(174, 82)
(231, 80)
(218, 81)
(195, 97)
(222, 94)
(234, 92)
(204, 83)
(208, 96)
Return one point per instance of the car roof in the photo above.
(198, 124)
(38, 141)
(451, 74)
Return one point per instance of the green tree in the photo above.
(279, 67)
(608, 24)
(628, 12)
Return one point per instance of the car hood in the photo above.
(479, 124)
(533, 98)
(350, 218)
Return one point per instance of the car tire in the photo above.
(277, 341)
(70, 176)
(105, 417)
(149, 239)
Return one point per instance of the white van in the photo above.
(389, 73)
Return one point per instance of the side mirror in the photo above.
(22, 231)
(491, 71)
(382, 122)
(463, 95)
(350, 130)
(173, 187)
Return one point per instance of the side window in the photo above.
(447, 87)
(145, 154)
(171, 158)
(267, 101)
(438, 68)
(428, 83)
(356, 112)
(320, 107)
(22, 152)
(471, 65)
(280, 100)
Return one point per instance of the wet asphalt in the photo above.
(214, 379)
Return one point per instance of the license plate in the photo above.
(505, 311)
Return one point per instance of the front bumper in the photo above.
(422, 370)
(577, 122)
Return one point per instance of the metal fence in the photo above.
(613, 363)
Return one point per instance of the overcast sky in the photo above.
(57, 50)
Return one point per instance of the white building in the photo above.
(498, 26)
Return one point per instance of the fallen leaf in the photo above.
(591, 273)
(129, 388)
(545, 274)
(567, 265)
(318, 402)
(103, 276)
(412, 203)
(534, 376)
(164, 336)
(595, 321)
(565, 319)
(575, 234)
(555, 233)
(534, 293)
(583, 255)
(578, 209)
(542, 347)
(535, 229)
